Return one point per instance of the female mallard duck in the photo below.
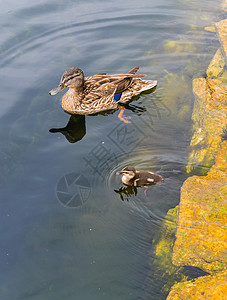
(89, 95)
(139, 178)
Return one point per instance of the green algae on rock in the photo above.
(182, 45)
(209, 112)
(217, 65)
(221, 28)
(163, 244)
(201, 238)
(178, 100)
(224, 5)
(210, 28)
(206, 287)
(209, 117)
(162, 253)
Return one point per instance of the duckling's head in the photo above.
(72, 78)
(128, 173)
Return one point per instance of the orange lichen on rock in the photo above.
(201, 238)
(206, 287)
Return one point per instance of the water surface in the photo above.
(99, 243)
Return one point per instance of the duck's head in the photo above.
(128, 172)
(72, 78)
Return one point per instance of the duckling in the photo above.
(139, 178)
(100, 92)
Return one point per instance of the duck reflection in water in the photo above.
(75, 130)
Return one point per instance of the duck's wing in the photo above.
(96, 99)
(148, 177)
(104, 84)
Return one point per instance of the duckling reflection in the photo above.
(75, 130)
(126, 192)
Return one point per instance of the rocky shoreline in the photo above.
(201, 235)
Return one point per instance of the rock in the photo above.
(210, 28)
(206, 287)
(224, 5)
(182, 45)
(217, 65)
(178, 100)
(162, 267)
(221, 28)
(164, 243)
(201, 238)
(209, 117)
(223, 77)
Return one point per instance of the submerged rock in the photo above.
(217, 65)
(178, 100)
(161, 255)
(180, 46)
(201, 233)
(206, 287)
(210, 28)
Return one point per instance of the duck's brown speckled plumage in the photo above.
(89, 95)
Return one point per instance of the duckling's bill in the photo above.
(119, 173)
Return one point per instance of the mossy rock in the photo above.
(224, 5)
(201, 231)
(210, 28)
(179, 46)
(178, 100)
(221, 28)
(206, 287)
(161, 254)
(217, 65)
(209, 122)
(165, 241)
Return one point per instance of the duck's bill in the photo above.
(55, 91)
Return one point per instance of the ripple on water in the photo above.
(147, 206)
(103, 243)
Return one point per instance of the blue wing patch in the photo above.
(117, 97)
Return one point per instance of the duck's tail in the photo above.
(134, 70)
(138, 86)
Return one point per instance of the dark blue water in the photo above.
(69, 229)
